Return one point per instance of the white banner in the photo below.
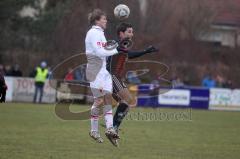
(9, 83)
(235, 98)
(23, 91)
(224, 99)
(174, 97)
(64, 94)
(220, 97)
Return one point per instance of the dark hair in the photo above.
(122, 27)
(96, 14)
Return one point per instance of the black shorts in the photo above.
(118, 85)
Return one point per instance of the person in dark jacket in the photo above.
(3, 88)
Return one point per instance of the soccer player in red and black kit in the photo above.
(116, 66)
(3, 88)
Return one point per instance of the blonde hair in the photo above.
(96, 14)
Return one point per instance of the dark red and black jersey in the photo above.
(116, 64)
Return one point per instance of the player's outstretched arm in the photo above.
(135, 54)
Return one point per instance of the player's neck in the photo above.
(99, 27)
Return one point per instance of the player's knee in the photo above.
(95, 110)
(132, 102)
(98, 102)
(108, 99)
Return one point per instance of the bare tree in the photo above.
(197, 17)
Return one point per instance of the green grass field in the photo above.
(34, 132)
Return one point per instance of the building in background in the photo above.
(225, 29)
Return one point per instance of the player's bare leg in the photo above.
(95, 110)
(122, 109)
(127, 101)
(110, 133)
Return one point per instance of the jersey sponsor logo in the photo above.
(101, 44)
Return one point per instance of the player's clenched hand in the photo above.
(125, 44)
(151, 49)
(123, 50)
(111, 44)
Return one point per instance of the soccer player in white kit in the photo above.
(98, 76)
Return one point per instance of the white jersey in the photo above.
(97, 73)
(95, 42)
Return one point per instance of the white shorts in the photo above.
(102, 85)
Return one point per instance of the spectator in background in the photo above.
(132, 78)
(220, 81)
(177, 82)
(2, 71)
(70, 75)
(186, 81)
(40, 74)
(16, 72)
(208, 82)
(3, 86)
(78, 74)
(228, 84)
(8, 71)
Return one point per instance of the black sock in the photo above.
(120, 113)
